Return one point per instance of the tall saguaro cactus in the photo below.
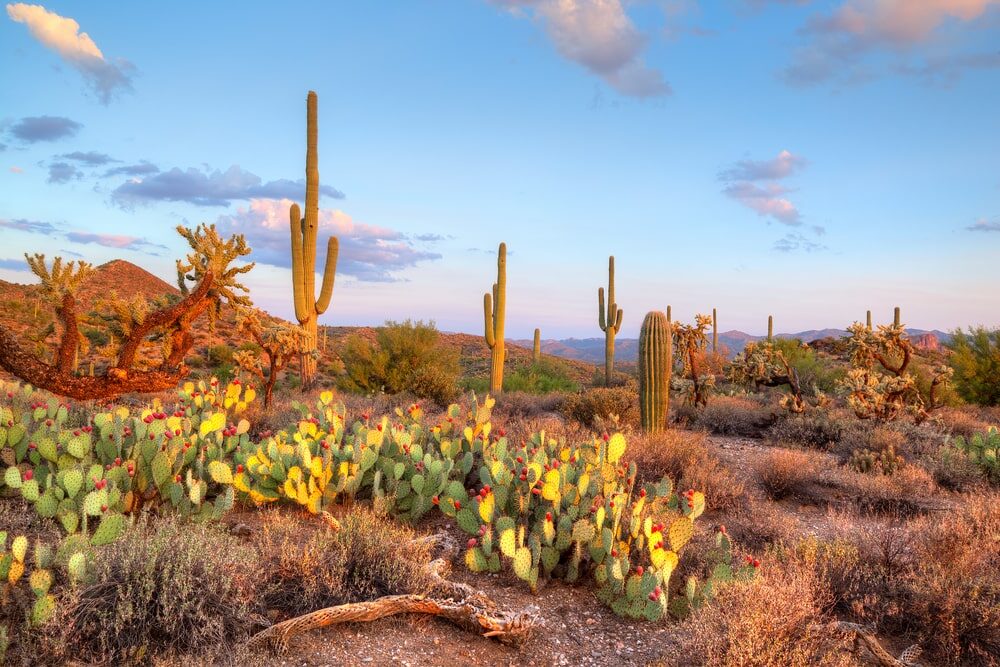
(611, 324)
(770, 327)
(715, 332)
(494, 315)
(536, 349)
(895, 317)
(655, 365)
(868, 318)
(303, 231)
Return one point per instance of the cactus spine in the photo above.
(494, 314)
(770, 327)
(715, 332)
(611, 324)
(868, 318)
(895, 317)
(536, 349)
(655, 364)
(303, 231)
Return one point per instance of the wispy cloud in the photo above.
(984, 225)
(142, 168)
(62, 35)
(89, 158)
(203, 187)
(793, 242)
(63, 172)
(14, 264)
(117, 241)
(44, 128)
(368, 253)
(600, 36)
(16, 170)
(753, 183)
(842, 45)
(31, 226)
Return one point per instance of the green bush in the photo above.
(813, 370)
(976, 360)
(219, 355)
(543, 377)
(405, 357)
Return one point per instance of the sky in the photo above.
(809, 159)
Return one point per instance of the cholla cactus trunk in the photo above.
(715, 332)
(611, 324)
(868, 320)
(303, 233)
(494, 315)
(655, 363)
(536, 350)
(770, 327)
(895, 317)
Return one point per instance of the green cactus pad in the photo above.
(19, 548)
(29, 490)
(475, 560)
(76, 567)
(72, 481)
(110, 529)
(43, 610)
(47, 505)
(79, 446)
(69, 520)
(12, 477)
(220, 472)
(160, 467)
(680, 532)
(522, 563)
(40, 581)
(467, 521)
(93, 502)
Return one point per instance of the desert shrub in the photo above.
(542, 377)
(172, 587)
(963, 421)
(817, 429)
(814, 370)
(731, 415)
(953, 469)
(405, 357)
(195, 361)
(603, 405)
(903, 493)
(758, 523)
(784, 472)
(220, 355)
(521, 404)
(368, 557)
(780, 618)
(683, 456)
(619, 378)
(982, 449)
(975, 357)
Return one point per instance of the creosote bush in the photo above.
(785, 472)
(604, 405)
(731, 415)
(162, 588)
(307, 568)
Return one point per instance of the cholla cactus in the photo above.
(278, 340)
(762, 364)
(691, 341)
(208, 265)
(879, 384)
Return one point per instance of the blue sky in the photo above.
(810, 159)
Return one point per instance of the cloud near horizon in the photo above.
(204, 187)
(984, 225)
(62, 35)
(367, 253)
(837, 44)
(30, 226)
(598, 35)
(117, 241)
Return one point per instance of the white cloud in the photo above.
(600, 36)
(768, 198)
(62, 35)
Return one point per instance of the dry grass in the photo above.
(817, 429)
(684, 457)
(778, 619)
(731, 415)
(758, 524)
(785, 472)
(906, 492)
(304, 568)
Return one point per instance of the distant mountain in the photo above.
(626, 349)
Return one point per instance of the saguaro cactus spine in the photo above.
(494, 314)
(715, 332)
(303, 231)
(536, 349)
(611, 324)
(655, 364)
(770, 327)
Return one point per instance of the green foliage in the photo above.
(975, 358)
(983, 449)
(219, 355)
(541, 377)
(405, 357)
(813, 370)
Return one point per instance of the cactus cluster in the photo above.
(884, 462)
(983, 449)
(67, 560)
(763, 364)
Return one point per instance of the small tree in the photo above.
(690, 344)
(281, 342)
(975, 358)
(762, 364)
(131, 325)
(879, 384)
